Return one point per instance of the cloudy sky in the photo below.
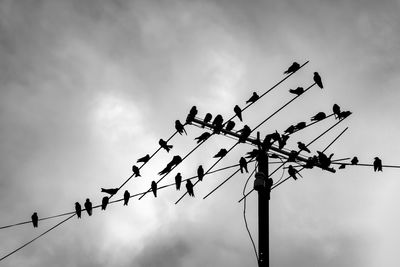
(88, 87)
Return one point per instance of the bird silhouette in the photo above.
(189, 188)
(344, 114)
(111, 191)
(324, 160)
(202, 137)
(136, 171)
(89, 207)
(317, 80)
(164, 145)
(377, 164)
(292, 172)
(299, 126)
(253, 98)
(174, 162)
(192, 114)
(218, 123)
(144, 159)
(354, 161)
(179, 127)
(243, 165)
(230, 125)
(319, 116)
(310, 163)
(238, 112)
(127, 196)
(336, 110)
(267, 142)
(207, 118)
(302, 146)
(252, 154)
(245, 133)
(290, 129)
(298, 91)
(282, 141)
(293, 68)
(35, 219)
(178, 181)
(154, 188)
(292, 156)
(104, 203)
(78, 209)
(342, 166)
(221, 153)
(275, 136)
(200, 173)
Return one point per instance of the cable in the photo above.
(334, 140)
(283, 173)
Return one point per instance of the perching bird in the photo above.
(154, 188)
(253, 98)
(200, 173)
(144, 159)
(252, 154)
(342, 166)
(297, 91)
(302, 146)
(178, 181)
(245, 132)
(104, 203)
(299, 126)
(218, 123)
(230, 125)
(324, 160)
(111, 191)
(175, 161)
(89, 207)
(189, 188)
(292, 172)
(319, 116)
(293, 68)
(35, 219)
(344, 114)
(238, 112)
(243, 165)
(317, 80)
(310, 163)
(164, 145)
(292, 156)
(336, 110)
(135, 171)
(377, 164)
(191, 115)
(354, 161)
(203, 137)
(207, 118)
(127, 196)
(282, 141)
(78, 209)
(221, 153)
(179, 127)
(290, 129)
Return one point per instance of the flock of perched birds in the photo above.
(217, 126)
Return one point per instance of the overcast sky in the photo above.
(88, 87)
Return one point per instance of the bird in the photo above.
(299, 126)
(324, 160)
(344, 114)
(192, 114)
(252, 154)
(302, 146)
(127, 196)
(238, 112)
(292, 172)
(319, 116)
(189, 188)
(200, 173)
(88, 206)
(78, 209)
(175, 161)
(179, 127)
(317, 80)
(35, 219)
(164, 145)
(377, 164)
(136, 171)
(275, 136)
(221, 153)
(207, 118)
(111, 191)
(293, 68)
(253, 98)
(144, 159)
(292, 156)
(178, 181)
(282, 141)
(218, 123)
(336, 110)
(245, 132)
(230, 125)
(202, 137)
(104, 203)
(354, 161)
(154, 188)
(310, 163)
(342, 166)
(298, 91)
(243, 165)
(290, 129)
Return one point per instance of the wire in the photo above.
(283, 173)
(334, 140)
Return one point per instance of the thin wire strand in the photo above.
(334, 140)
